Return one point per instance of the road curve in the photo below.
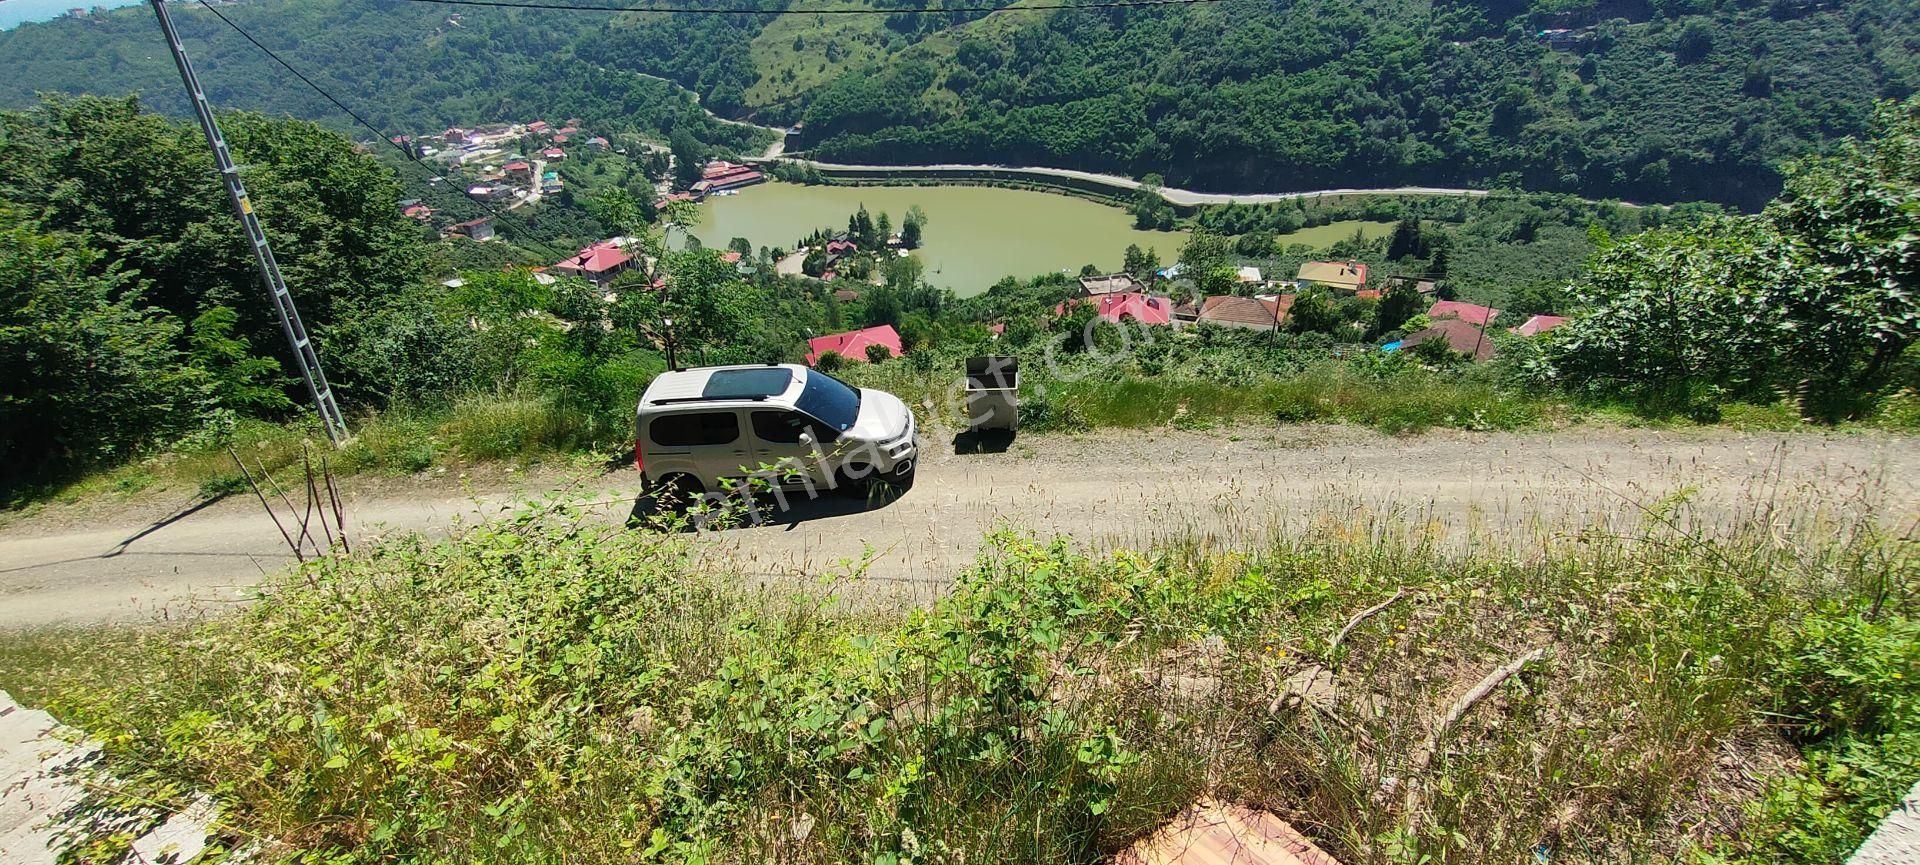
(1178, 197)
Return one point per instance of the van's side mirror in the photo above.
(806, 437)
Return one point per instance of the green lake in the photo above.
(974, 236)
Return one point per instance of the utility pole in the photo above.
(290, 323)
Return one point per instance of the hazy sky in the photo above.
(16, 12)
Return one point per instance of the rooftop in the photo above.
(746, 383)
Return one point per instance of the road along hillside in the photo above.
(138, 560)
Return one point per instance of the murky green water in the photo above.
(975, 235)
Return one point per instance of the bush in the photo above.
(537, 684)
(515, 428)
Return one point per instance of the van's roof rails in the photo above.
(681, 399)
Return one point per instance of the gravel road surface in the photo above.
(144, 558)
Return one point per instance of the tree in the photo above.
(689, 159)
(741, 245)
(830, 361)
(1407, 241)
(1205, 252)
(877, 353)
(883, 227)
(1313, 312)
(92, 373)
(1400, 302)
(1848, 306)
(619, 211)
(1143, 265)
(912, 226)
(1694, 43)
(234, 379)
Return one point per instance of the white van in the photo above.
(707, 429)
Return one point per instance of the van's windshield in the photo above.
(830, 400)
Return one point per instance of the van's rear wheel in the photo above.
(676, 493)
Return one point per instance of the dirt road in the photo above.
(139, 559)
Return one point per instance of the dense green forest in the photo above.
(406, 67)
(1669, 100)
(1664, 101)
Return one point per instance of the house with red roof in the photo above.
(1539, 324)
(554, 154)
(1117, 308)
(662, 202)
(517, 168)
(417, 211)
(841, 247)
(598, 263)
(721, 175)
(599, 143)
(852, 345)
(1471, 313)
(538, 127)
(559, 139)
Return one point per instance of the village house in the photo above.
(417, 211)
(721, 175)
(553, 154)
(661, 203)
(475, 229)
(1117, 308)
(1340, 275)
(597, 264)
(1248, 275)
(1539, 324)
(1424, 286)
(538, 127)
(518, 170)
(853, 344)
(1249, 313)
(1462, 336)
(1471, 313)
(1112, 283)
(599, 143)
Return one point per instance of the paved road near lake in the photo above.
(153, 556)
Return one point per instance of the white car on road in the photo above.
(706, 430)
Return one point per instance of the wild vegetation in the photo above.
(125, 303)
(540, 685)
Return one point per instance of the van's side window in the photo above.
(695, 428)
(784, 427)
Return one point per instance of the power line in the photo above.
(383, 136)
(729, 10)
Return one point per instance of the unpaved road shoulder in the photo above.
(1104, 488)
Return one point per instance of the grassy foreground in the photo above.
(535, 690)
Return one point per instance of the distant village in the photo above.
(1121, 298)
(511, 167)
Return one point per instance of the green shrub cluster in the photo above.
(538, 690)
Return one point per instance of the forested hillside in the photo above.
(406, 67)
(1667, 100)
(1664, 101)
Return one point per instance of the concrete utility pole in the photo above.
(290, 323)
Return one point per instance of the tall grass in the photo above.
(539, 690)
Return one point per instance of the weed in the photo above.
(538, 685)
